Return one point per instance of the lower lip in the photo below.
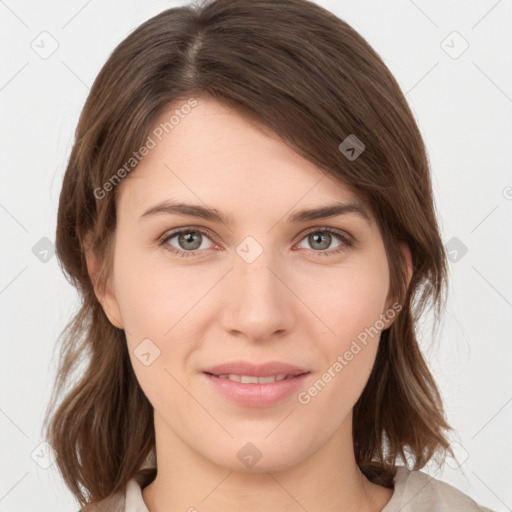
(257, 395)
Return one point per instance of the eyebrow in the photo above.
(170, 207)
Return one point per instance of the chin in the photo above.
(258, 455)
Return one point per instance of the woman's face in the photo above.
(265, 286)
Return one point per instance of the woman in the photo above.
(248, 214)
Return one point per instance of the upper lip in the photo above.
(257, 370)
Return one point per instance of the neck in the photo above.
(328, 480)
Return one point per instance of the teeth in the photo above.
(244, 379)
(250, 379)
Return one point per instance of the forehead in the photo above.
(216, 156)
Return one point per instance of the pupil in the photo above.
(317, 238)
(190, 238)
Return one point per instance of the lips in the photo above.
(256, 385)
(250, 379)
(276, 369)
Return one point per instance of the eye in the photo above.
(321, 238)
(188, 240)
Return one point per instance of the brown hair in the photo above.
(311, 78)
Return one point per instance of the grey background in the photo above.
(462, 101)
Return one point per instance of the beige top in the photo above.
(414, 491)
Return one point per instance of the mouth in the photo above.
(253, 379)
(256, 391)
(250, 369)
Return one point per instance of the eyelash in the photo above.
(347, 241)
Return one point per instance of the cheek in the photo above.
(352, 310)
(352, 306)
(151, 306)
(354, 298)
(152, 296)
(156, 302)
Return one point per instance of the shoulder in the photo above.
(115, 503)
(414, 491)
(128, 500)
(419, 492)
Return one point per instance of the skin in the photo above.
(290, 304)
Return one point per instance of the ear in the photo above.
(404, 248)
(103, 291)
(406, 252)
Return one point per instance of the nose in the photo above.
(258, 301)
